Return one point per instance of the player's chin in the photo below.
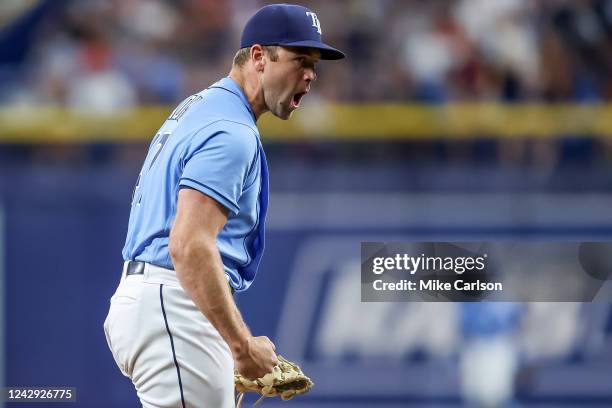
(284, 112)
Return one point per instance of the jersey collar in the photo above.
(232, 86)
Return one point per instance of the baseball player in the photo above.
(196, 229)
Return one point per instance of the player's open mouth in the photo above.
(295, 102)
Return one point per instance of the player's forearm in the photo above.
(200, 271)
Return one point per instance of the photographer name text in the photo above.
(436, 285)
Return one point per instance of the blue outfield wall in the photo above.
(65, 226)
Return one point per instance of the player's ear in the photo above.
(257, 57)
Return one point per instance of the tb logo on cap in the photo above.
(315, 21)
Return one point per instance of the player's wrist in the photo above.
(241, 345)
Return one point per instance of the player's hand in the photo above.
(257, 358)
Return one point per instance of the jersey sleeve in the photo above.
(220, 165)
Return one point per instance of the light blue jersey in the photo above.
(210, 143)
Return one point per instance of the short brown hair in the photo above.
(243, 54)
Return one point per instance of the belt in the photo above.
(135, 268)
(138, 267)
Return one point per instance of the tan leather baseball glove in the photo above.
(286, 380)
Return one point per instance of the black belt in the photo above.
(135, 268)
(138, 267)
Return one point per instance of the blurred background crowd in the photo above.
(105, 56)
(64, 205)
(115, 54)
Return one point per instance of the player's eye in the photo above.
(306, 62)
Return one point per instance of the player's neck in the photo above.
(252, 89)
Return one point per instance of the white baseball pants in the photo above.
(166, 346)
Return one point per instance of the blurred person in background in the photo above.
(489, 354)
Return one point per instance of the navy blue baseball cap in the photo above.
(287, 24)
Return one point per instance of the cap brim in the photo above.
(327, 52)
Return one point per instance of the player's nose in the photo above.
(310, 75)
